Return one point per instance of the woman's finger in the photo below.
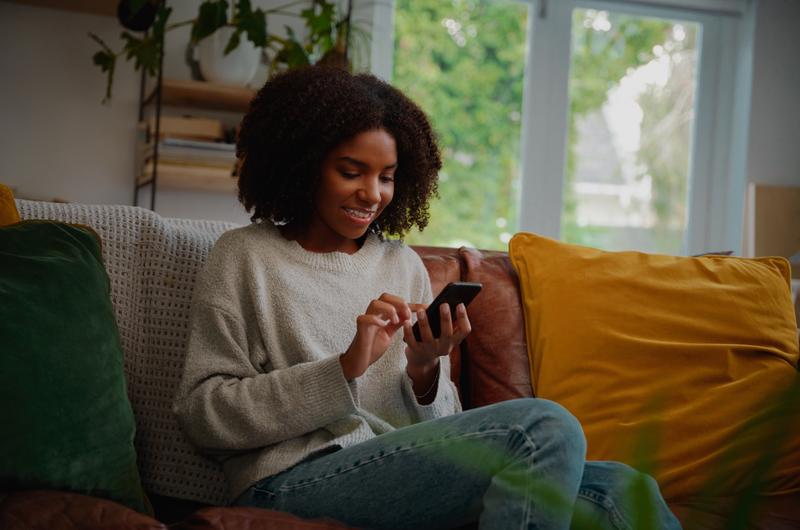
(408, 335)
(463, 326)
(384, 309)
(401, 307)
(367, 325)
(424, 327)
(445, 321)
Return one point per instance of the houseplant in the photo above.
(327, 38)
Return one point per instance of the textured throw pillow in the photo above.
(686, 366)
(67, 423)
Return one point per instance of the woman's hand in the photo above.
(424, 355)
(374, 332)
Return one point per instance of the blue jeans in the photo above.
(513, 465)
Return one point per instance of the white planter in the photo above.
(237, 68)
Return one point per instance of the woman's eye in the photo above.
(387, 178)
(348, 174)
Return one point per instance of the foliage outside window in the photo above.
(657, 56)
(464, 62)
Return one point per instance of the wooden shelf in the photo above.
(198, 178)
(204, 95)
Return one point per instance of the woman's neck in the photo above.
(312, 242)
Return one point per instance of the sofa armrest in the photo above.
(60, 510)
(243, 518)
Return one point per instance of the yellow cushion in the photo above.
(674, 364)
(8, 210)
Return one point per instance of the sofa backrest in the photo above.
(152, 263)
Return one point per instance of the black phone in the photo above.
(453, 294)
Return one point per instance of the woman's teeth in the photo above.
(361, 214)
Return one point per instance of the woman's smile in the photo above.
(360, 216)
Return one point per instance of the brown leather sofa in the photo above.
(490, 366)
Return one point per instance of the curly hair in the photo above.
(299, 116)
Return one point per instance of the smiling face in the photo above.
(356, 184)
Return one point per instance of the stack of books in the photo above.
(190, 155)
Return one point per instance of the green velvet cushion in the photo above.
(66, 420)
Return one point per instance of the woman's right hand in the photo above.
(374, 332)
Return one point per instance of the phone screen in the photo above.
(453, 294)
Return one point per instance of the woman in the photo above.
(302, 375)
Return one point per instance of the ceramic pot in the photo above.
(237, 68)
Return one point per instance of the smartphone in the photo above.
(453, 294)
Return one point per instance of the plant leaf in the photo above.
(233, 42)
(104, 60)
(211, 16)
(296, 55)
(243, 8)
(254, 24)
(320, 24)
(143, 51)
(100, 41)
(291, 52)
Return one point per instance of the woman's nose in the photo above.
(369, 191)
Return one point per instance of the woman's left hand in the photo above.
(425, 353)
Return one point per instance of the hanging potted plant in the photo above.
(237, 26)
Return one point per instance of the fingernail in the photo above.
(420, 315)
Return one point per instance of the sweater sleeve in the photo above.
(226, 400)
(225, 404)
(446, 401)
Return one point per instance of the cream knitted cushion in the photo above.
(152, 263)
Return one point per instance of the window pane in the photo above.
(632, 90)
(463, 61)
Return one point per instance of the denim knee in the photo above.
(604, 474)
(542, 418)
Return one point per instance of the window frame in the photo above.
(716, 167)
(718, 160)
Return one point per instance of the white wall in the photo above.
(57, 140)
(774, 135)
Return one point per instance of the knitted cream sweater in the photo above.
(262, 387)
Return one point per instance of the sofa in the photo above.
(152, 261)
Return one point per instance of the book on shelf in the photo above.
(199, 162)
(199, 144)
(189, 127)
(177, 150)
(199, 177)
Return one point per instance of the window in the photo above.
(464, 63)
(632, 88)
(613, 124)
